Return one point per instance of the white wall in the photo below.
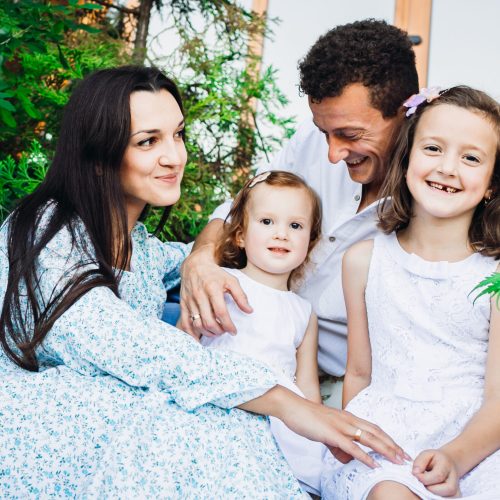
(465, 44)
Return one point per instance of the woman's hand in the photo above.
(339, 430)
(437, 471)
(203, 284)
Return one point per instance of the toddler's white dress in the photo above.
(429, 341)
(272, 334)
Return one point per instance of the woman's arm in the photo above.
(440, 469)
(335, 428)
(355, 266)
(307, 362)
(101, 334)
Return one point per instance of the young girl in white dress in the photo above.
(423, 348)
(274, 223)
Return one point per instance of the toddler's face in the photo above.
(278, 228)
(451, 162)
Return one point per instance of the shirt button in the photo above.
(357, 197)
(332, 238)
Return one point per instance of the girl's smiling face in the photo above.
(451, 162)
(153, 163)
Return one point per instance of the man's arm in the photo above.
(203, 284)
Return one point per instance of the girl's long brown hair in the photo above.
(395, 210)
(230, 254)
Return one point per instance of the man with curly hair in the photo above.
(356, 77)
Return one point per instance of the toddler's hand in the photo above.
(437, 472)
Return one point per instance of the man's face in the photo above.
(357, 133)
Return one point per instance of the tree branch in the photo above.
(111, 5)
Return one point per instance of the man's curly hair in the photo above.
(370, 52)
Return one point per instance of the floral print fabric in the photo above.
(125, 405)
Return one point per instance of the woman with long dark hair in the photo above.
(99, 397)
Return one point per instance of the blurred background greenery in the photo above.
(47, 46)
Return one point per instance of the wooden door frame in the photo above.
(414, 16)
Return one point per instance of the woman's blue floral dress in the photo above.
(126, 406)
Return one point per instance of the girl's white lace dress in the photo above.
(272, 334)
(429, 341)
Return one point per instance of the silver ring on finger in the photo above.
(194, 317)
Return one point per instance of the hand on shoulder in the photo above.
(203, 284)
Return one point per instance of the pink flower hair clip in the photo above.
(425, 95)
(259, 178)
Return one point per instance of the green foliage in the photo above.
(46, 47)
(20, 178)
(490, 285)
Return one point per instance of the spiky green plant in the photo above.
(490, 285)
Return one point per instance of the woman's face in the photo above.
(155, 157)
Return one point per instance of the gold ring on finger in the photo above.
(357, 434)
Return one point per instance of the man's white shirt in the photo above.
(306, 154)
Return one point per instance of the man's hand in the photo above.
(437, 472)
(203, 284)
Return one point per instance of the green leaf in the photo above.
(58, 27)
(7, 118)
(91, 6)
(490, 285)
(88, 29)
(29, 108)
(62, 59)
(7, 105)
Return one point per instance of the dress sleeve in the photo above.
(171, 255)
(102, 335)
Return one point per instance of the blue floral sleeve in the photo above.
(169, 257)
(103, 335)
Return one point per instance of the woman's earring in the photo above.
(487, 196)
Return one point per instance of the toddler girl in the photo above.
(274, 223)
(423, 352)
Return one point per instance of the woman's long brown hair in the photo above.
(82, 186)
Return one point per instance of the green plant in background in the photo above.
(490, 285)
(19, 178)
(45, 48)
